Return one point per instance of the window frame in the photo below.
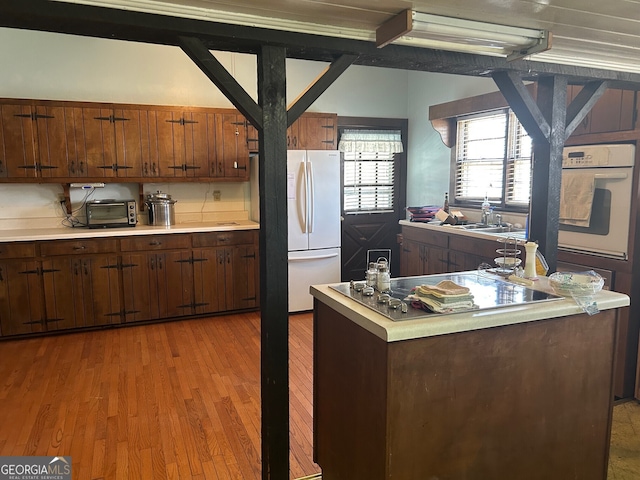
(502, 204)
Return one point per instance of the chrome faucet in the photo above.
(498, 219)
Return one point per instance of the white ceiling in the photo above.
(590, 33)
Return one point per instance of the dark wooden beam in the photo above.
(318, 87)
(582, 104)
(274, 263)
(119, 24)
(547, 169)
(523, 104)
(219, 75)
(394, 28)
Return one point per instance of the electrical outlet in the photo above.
(217, 195)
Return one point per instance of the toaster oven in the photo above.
(111, 213)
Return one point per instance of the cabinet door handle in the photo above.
(1, 275)
(79, 247)
(159, 263)
(153, 264)
(155, 243)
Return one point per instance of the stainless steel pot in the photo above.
(161, 209)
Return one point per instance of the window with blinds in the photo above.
(368, 182)
(493, 158)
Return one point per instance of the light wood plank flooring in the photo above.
(177, 400)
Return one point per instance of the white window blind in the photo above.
(368, 165)
(368, 182)
(493, 158)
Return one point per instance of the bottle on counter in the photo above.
(384, 278)
(446, 202)
(486, 210)
(372, 275)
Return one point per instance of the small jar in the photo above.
(372, 275)
(384, 279)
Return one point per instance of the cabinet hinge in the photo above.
(49, 270)
(33, 115)
(34, 322)
(52, 320)
(184, 167)
(113, 314)
(182, 121)
(117, 267)
(327, 126)
(29, 272)
(251, 255)
(111, 119)
(115, 167)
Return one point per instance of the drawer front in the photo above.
(154, 242)
(477, 246)
(215, 239)
(18, 250)
(78, 247)
(423, 235)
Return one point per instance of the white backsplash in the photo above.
(38, 205)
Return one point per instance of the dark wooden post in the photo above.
(547, 168)
(273, 263)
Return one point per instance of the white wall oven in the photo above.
(595, 199)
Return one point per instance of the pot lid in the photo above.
(159, 197)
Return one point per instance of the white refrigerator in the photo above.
(313, 211)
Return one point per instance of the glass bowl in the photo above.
(576, 284)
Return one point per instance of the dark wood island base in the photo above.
(530, 400)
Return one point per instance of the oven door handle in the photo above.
(611, 176)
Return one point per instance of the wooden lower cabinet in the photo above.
(90, 283)
(157, 285)
(425, 252)
(132, 279)
(21, 297)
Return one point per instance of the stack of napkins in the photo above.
(445, 297)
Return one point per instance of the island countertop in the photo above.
(433, 324)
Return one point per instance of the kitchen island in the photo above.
(520, 391)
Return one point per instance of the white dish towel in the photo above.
(576, 198)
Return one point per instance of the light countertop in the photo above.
(62, 233)
(438, 324)
(459, 230)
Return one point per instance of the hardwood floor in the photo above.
(177, 400)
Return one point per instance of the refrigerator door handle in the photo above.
(315, 257)
(312, 197)
(303, 201)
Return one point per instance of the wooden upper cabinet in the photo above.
(232, 151)
(253, 143)
(82, 141)
(34, 140)
(614, 111)
(317, 131)
(183, 143)
(115, 143)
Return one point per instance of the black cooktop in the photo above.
(489, 291)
